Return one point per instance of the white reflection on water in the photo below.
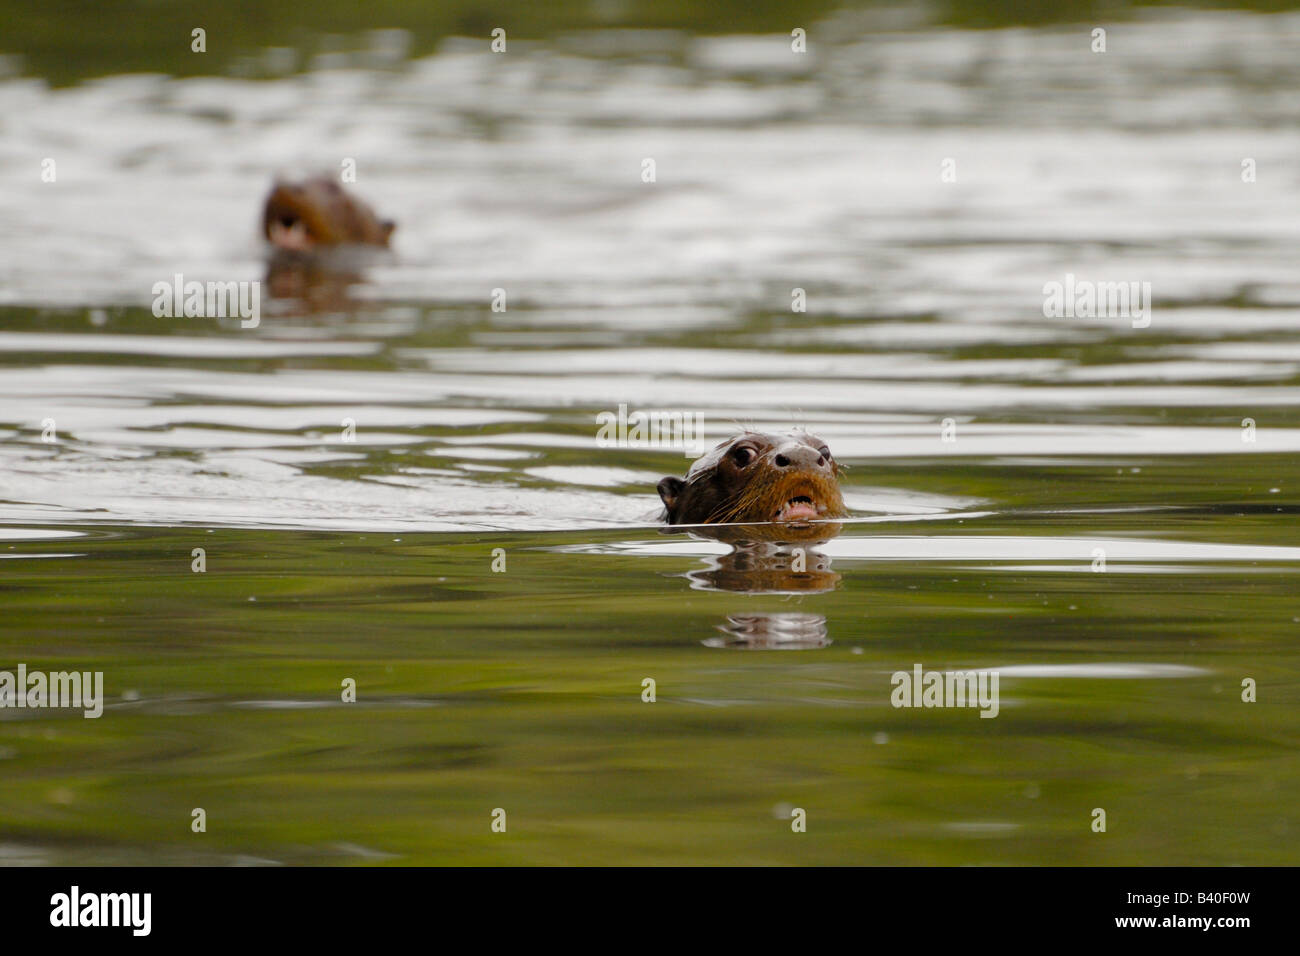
(925, 298)
(967, 548)
(1110, 671)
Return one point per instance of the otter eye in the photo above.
(742, 455)
(287, 221)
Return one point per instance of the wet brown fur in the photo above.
(329, 215)
(717, 489)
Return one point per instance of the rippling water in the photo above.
(127, 440)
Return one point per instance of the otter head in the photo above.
(755, 478)
(300, 217)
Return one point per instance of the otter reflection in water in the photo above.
(777, 632)
(784, 563)
(320, 237)
(767, 559)
(768, 497)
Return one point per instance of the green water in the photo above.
(522, 690)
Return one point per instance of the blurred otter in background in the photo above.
(317, 212)
(318, 233)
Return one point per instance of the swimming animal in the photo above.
(317, 212)
(755, 477)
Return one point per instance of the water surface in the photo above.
(1172, 449)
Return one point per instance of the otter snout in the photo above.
(800, 457)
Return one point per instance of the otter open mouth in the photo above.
(289, 233)
(798, 508)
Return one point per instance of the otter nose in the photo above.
(798, 455)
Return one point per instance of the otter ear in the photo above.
(669, 489)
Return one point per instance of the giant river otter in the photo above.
(307, 215)
(321, 239)
(752, 478)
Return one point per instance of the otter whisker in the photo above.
(758, 478)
